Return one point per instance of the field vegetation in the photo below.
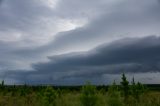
(124, 94)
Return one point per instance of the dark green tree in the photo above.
(133, 81)
(3, 83)
(134, 92)
(125, 87)
(137, 89)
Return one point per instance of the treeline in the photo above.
(124, 94)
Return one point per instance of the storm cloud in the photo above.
(129, 55)
(57, 41)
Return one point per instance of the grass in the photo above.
(72, 98)
(134, 94)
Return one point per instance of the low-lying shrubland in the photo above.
(123, 94)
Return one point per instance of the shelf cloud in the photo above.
(70, 42)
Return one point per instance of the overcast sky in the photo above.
(69, 42)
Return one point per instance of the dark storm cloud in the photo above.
(30, 32)
(130, 55)
(142, 51)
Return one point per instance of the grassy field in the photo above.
(124, 94)
(73, 98)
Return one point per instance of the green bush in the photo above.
(114, 98)
(88, 96)
(137, 89)
(48, 96)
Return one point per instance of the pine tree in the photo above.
(3, 83)
(137, 89)
(134, 89)
(133, 82)
(125, 87)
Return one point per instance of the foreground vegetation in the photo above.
(125, 94)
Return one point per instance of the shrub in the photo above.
(88, 96)
(48, 96)
(137, 90)
(114, 95)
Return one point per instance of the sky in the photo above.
(69, 42)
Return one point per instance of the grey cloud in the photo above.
(107, 23)
(20, 13)
(140, 51)
(121, 21)
(24, 20)
(125, 20)
(130, 55)
(1, 1)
